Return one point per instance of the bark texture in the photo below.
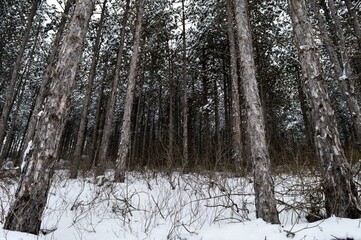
(263, 182)
(46, 78)
(341, 197)
(125, 138)
(341, 63)
(37, 169)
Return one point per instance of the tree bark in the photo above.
(83, 120)
(263, 183)
(126, 135)
(37, 168)
(9, 97)
(341, 64)
(341, 197)
(30, 131)
(107, 130)
(236, 112)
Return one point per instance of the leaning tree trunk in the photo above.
(30, 130)
(341, 63)
(126, 134)
(37, 169)
(9, 97)
(341, 197)
(19, 92)
(346, 78)
(263, 183)
(236, 111)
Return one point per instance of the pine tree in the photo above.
(263, 183)
(37, 169)
(341, 197)
(124, 145)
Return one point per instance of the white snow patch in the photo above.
(41, 113)
(27, 151)
(304, 47)
(343, 77)
(219, 207)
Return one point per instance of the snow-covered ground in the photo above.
(152, 205)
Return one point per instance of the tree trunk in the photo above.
(205, 133)
(263, 183)
(19, 92)
(218, 142)
(345, 77)
(236, 111)
(30, 131)
(341, 197)
(185, 161)
(128, 105)
(9, 97)
(37, 168)
(83, 120)
(103, 151)
(341, 64)
(96, 136)
(170, 161)
(11, 134)
(147, 122)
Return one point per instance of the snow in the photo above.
(304, 47)
(212, 206)
(27, 150)
(41, 113)
(343, 77)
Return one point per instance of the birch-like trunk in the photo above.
(263, 182)
(37, 169)
(341, 197)
(128, 105)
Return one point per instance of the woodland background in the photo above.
(219, 86)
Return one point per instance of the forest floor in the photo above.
(153, 205)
